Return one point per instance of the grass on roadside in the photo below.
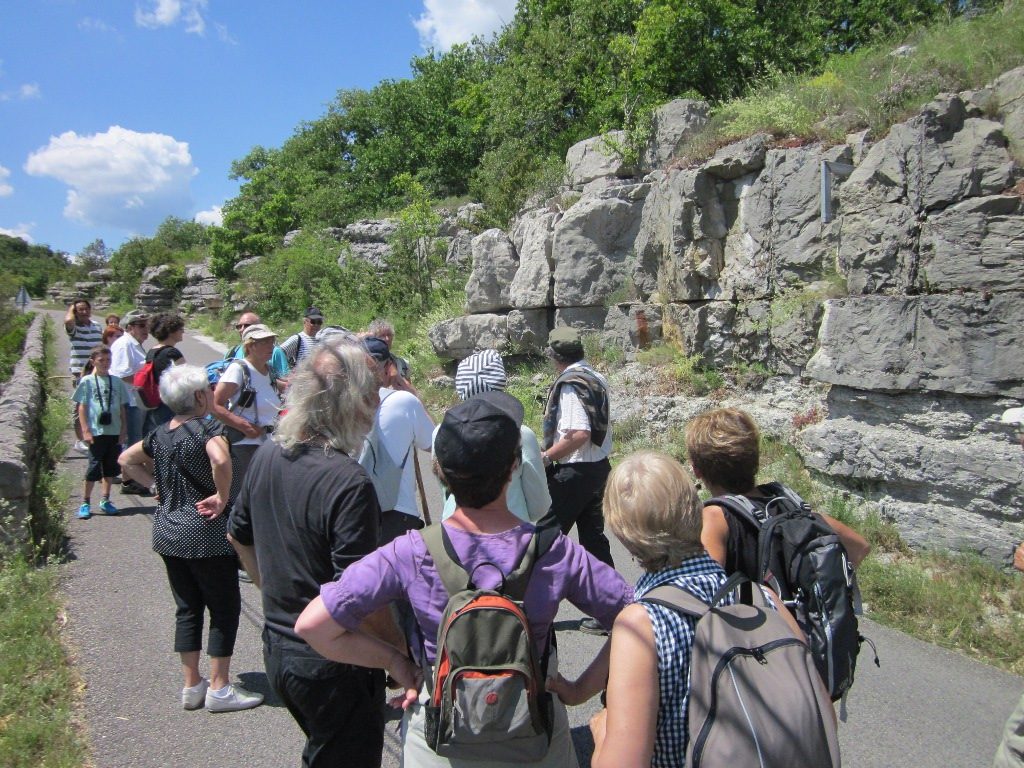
(39, 690)
(12, 339)
(38, 687)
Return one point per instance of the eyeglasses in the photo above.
(314, 322)
(240, 326)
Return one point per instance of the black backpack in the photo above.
(803, 560)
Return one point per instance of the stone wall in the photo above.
(20, 404)
(906, 307)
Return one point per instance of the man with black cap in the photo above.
(298, 345)
(577, 443)
(401, 426)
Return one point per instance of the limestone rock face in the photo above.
(596, 157)
(941, 465)
(632, 326)
(462, 336)
(532, 236)
(591, 244)
(740, 158)
(973, 245)
(528, 330)
(934, 160)
(671, 125)
(495, 263)
(948, 343)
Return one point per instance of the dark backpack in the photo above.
(147, 386)
(755, 698)
(802, 559)
(487, 695)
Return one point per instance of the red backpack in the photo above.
(146, 385)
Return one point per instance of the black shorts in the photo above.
(103, 453)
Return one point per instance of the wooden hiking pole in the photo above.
(419, 484)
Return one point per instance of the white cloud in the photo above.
(166, 13)
(5, 188)
(447, 22)
(120, 178)
(212, 217)
(19, 230)
(89, 24)
(22, 93)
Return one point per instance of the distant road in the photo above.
(926, 707)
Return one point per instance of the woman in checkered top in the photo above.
(652, 506)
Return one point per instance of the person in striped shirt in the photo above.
(84, 333)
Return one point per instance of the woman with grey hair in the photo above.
(190, 461)
(305, 513)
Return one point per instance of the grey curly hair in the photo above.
(332, 397)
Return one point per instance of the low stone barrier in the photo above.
(20, 403)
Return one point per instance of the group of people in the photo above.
(307, 475)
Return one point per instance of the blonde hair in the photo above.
(332, 398)
(724, 447)
(652, 506)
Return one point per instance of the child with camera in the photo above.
(101, 399)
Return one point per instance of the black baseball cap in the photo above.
(480, 435)
(312, 313)
(377, 349)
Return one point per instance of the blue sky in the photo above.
(116, 114)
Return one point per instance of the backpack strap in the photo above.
(680, 599)
(742, 507)
(446, 560)
(545, 534)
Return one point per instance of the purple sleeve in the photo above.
(368, 584)
(594, 587)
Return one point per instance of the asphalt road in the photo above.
(924, 707)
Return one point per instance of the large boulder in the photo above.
(941, 465)
(528, 330)
(532, 236)
(739, 158)
(462, 336)
(596, 157)
(721, 333)
(974, 245)
(968, 344)
(679, 249)
(632, 326)
(591, 244)
(936, 159)
(671, 125)
(495, 263)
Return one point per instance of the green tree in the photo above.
(34, 266)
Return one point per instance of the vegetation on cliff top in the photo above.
(493, 119)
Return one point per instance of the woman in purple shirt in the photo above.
(477, 447)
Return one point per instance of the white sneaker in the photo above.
(195, 697)
(232, 698)
(81, 446)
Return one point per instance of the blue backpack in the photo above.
(216, 369)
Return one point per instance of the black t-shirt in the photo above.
(162, 359)
(309, 515)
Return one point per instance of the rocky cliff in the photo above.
(904, 304)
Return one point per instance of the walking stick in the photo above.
(419, 484)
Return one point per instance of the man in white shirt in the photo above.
(577, 443)
(403, 426)
(127, 357)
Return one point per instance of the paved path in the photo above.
(924, 707)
